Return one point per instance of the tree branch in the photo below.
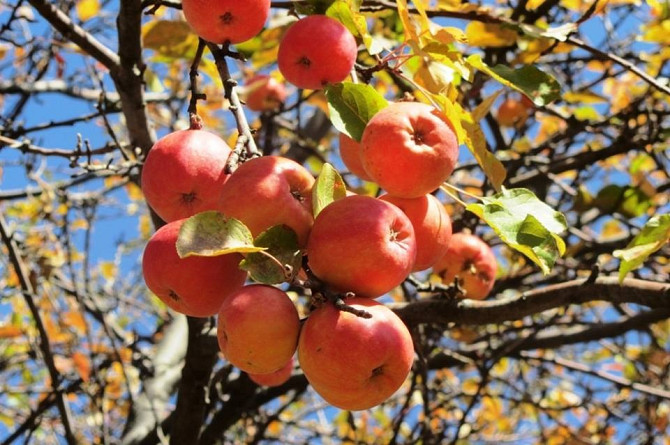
(45, 347)
(441, 310)
(147, 410)
(76, 34)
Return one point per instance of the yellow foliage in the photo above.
(87, 9)
(489, 35)
(9, 331)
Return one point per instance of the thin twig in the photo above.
(28, 292)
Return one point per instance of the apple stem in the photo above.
(341, 305)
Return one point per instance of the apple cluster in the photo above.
(353, 350)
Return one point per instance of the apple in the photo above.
(355, 363)
(512, 113)
(362, 245)
(184, 172)
(409, 149)
(195, 286)
(276, 378)
(231, 21)
(432, 227)
(350, 152)
(315, 51)
(268, 191)
(264, 93)
(470, 260)
(258, 329)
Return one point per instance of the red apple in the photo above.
(350, 152)
(195, 286)
(268, 191)
(276, 378)
(472, 262)
(363, 245)
(432, 227)
(316, 51)
(355, 363)
(409, 149)
(183, 173)
(258, 329)
(264, 93)
(222, 21)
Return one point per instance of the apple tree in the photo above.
(157, 155)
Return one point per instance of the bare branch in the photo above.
(76, 34)
(435, 310)
(45, 347)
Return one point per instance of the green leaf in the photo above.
(352, 105)
(355, 22)
(525, 223)
(328, 187)
(627, 200)
(539, 86)
(211, 234)
(654, 234)
(279, 262)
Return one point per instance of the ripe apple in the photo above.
(472, 261)
(409, 149)
(222, 21)
(258, 329)
(363, 245)
(316, 51)
(264, 93)
(195, 286)
(183, 173)
(350, 152)
(355, 363)
(276, 378)
(512, 113)
(432, 227)
(268, 191)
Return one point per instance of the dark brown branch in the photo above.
(44, 345)
(245, 137)
(76, 34)
(645, 293)
(192, 400)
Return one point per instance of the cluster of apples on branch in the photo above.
(274, 223)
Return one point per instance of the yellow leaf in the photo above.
(585, 97)
(75, 320)
(134, 192)
(10, 332)
(107, 270)
(82, 364)
(407, 22)
(87, 9)
(489, 35)
(170, 38)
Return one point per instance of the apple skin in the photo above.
(221, 21)
(270, 190)
(276, 378)
(184, 173)
(355, 363)
(195, 286)
(512, 113)
(432, 227)
(315, 51)
(409, 149)
(362, 245)
(258, 328)
(472, 261)
(264, 93)
(350, 152)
